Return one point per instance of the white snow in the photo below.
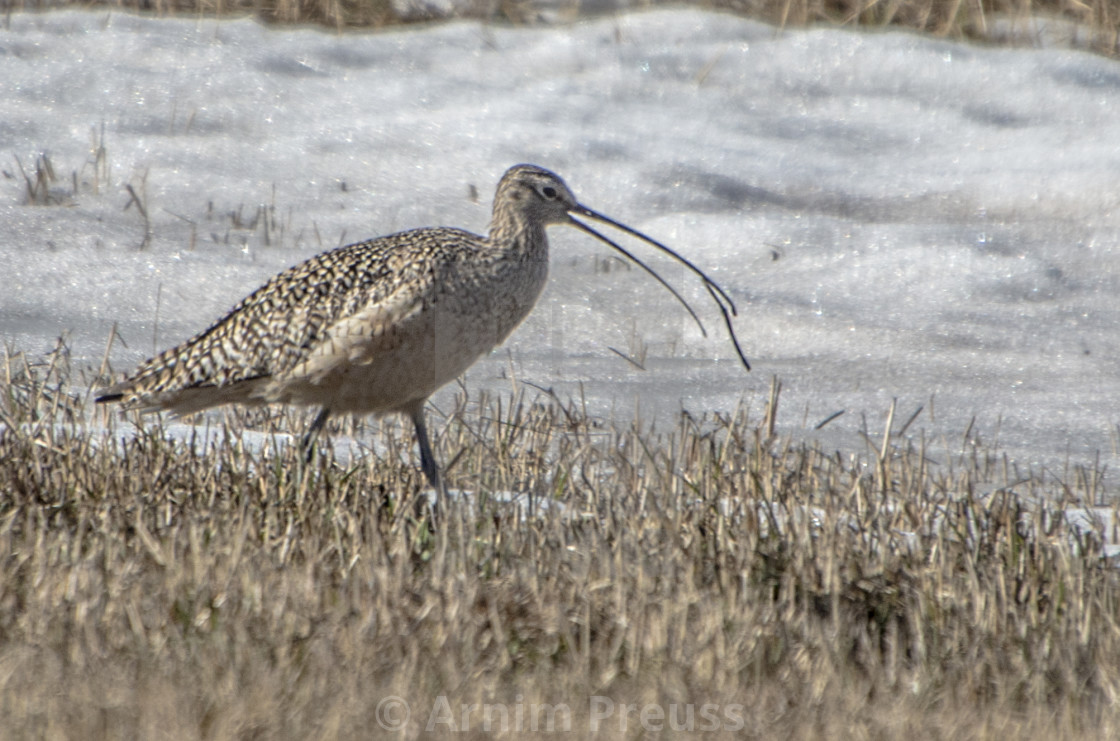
(897, 217)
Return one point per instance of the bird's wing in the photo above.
(305, 320)
(356, 338)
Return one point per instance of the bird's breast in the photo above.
(476, 315)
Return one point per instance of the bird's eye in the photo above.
(549, 191)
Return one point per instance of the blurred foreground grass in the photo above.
(152, 587)
(1093, 24)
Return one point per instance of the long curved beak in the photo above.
(723, 301)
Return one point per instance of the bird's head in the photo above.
(529, 197)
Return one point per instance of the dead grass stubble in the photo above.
(154, 588)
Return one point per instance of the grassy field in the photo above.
(710, 581)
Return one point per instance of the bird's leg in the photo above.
(427, 458)
(313, 433)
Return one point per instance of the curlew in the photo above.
(379, 326)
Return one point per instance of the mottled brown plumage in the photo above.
(377, 326)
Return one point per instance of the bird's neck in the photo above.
(509, 233)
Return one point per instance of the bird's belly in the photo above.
(392, 378)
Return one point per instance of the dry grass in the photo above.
(1097, 22)
(961, 19)
(155, 588)
(43, 186)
